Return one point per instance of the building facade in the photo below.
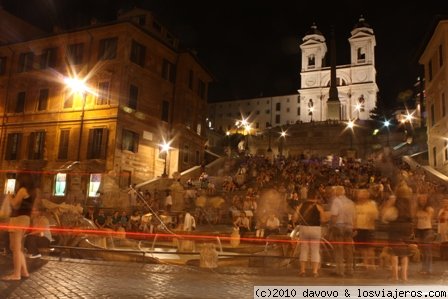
(356, 84)
(434, 60)
(100, 100)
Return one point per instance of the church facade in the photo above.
(356, 86)
(356, 82)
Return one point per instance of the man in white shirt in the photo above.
(272, 225)
(189, 222)
(342, 220)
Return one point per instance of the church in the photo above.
(344, 92)
(335, 92)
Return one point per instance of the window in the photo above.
(13, 146)
(257, 125)
(287, 109)
(64, 137)
(277, 119)
(257, 112)
(443, 105)
(130, 141)
(36, 146)
(97, 143)
(103, 93)
(133, 97)
(268, 111)
(165, 111)
(10, 185)
(186, 153)
(201, 89)
(311, 61)
(75, 53)
(168, 71)
(20, 103)
(440, 55)
(48, 58)
(198, 129)
(94, 184)
(141, 20)
(298, 100)
(2, 65)
(277, 107)
(26, 62)
(446, 150)
(433, 117)
(138, 53)
(198, 161)
(108, 49)
(60, 182)
(361, 55)
(298, 110)
(43, 99)
(190, 79)
(430, 70)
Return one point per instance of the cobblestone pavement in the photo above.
(71, 278)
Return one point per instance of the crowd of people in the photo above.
(348, 204)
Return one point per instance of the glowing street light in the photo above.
(387, 124)
(77, 85)
(164, 148)
(282, 141)
(351, 125)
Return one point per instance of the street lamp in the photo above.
(78, 86)
(164, 148)
(351, 125)
(282, 141)
(386, 123)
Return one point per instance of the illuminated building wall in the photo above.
(139, 83)
(434, 59)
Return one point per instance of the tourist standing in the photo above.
(310, 215)
(423, 232)
(341, 231)
(22, 205)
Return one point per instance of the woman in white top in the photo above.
(423, 231)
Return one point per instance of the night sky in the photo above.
(252, 47)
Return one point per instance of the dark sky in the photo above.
(252, 46)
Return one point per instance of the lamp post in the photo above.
(386, 123)
(269, 138)
(282, 141)
(351, 125)
(78, 86)
(164, 148)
